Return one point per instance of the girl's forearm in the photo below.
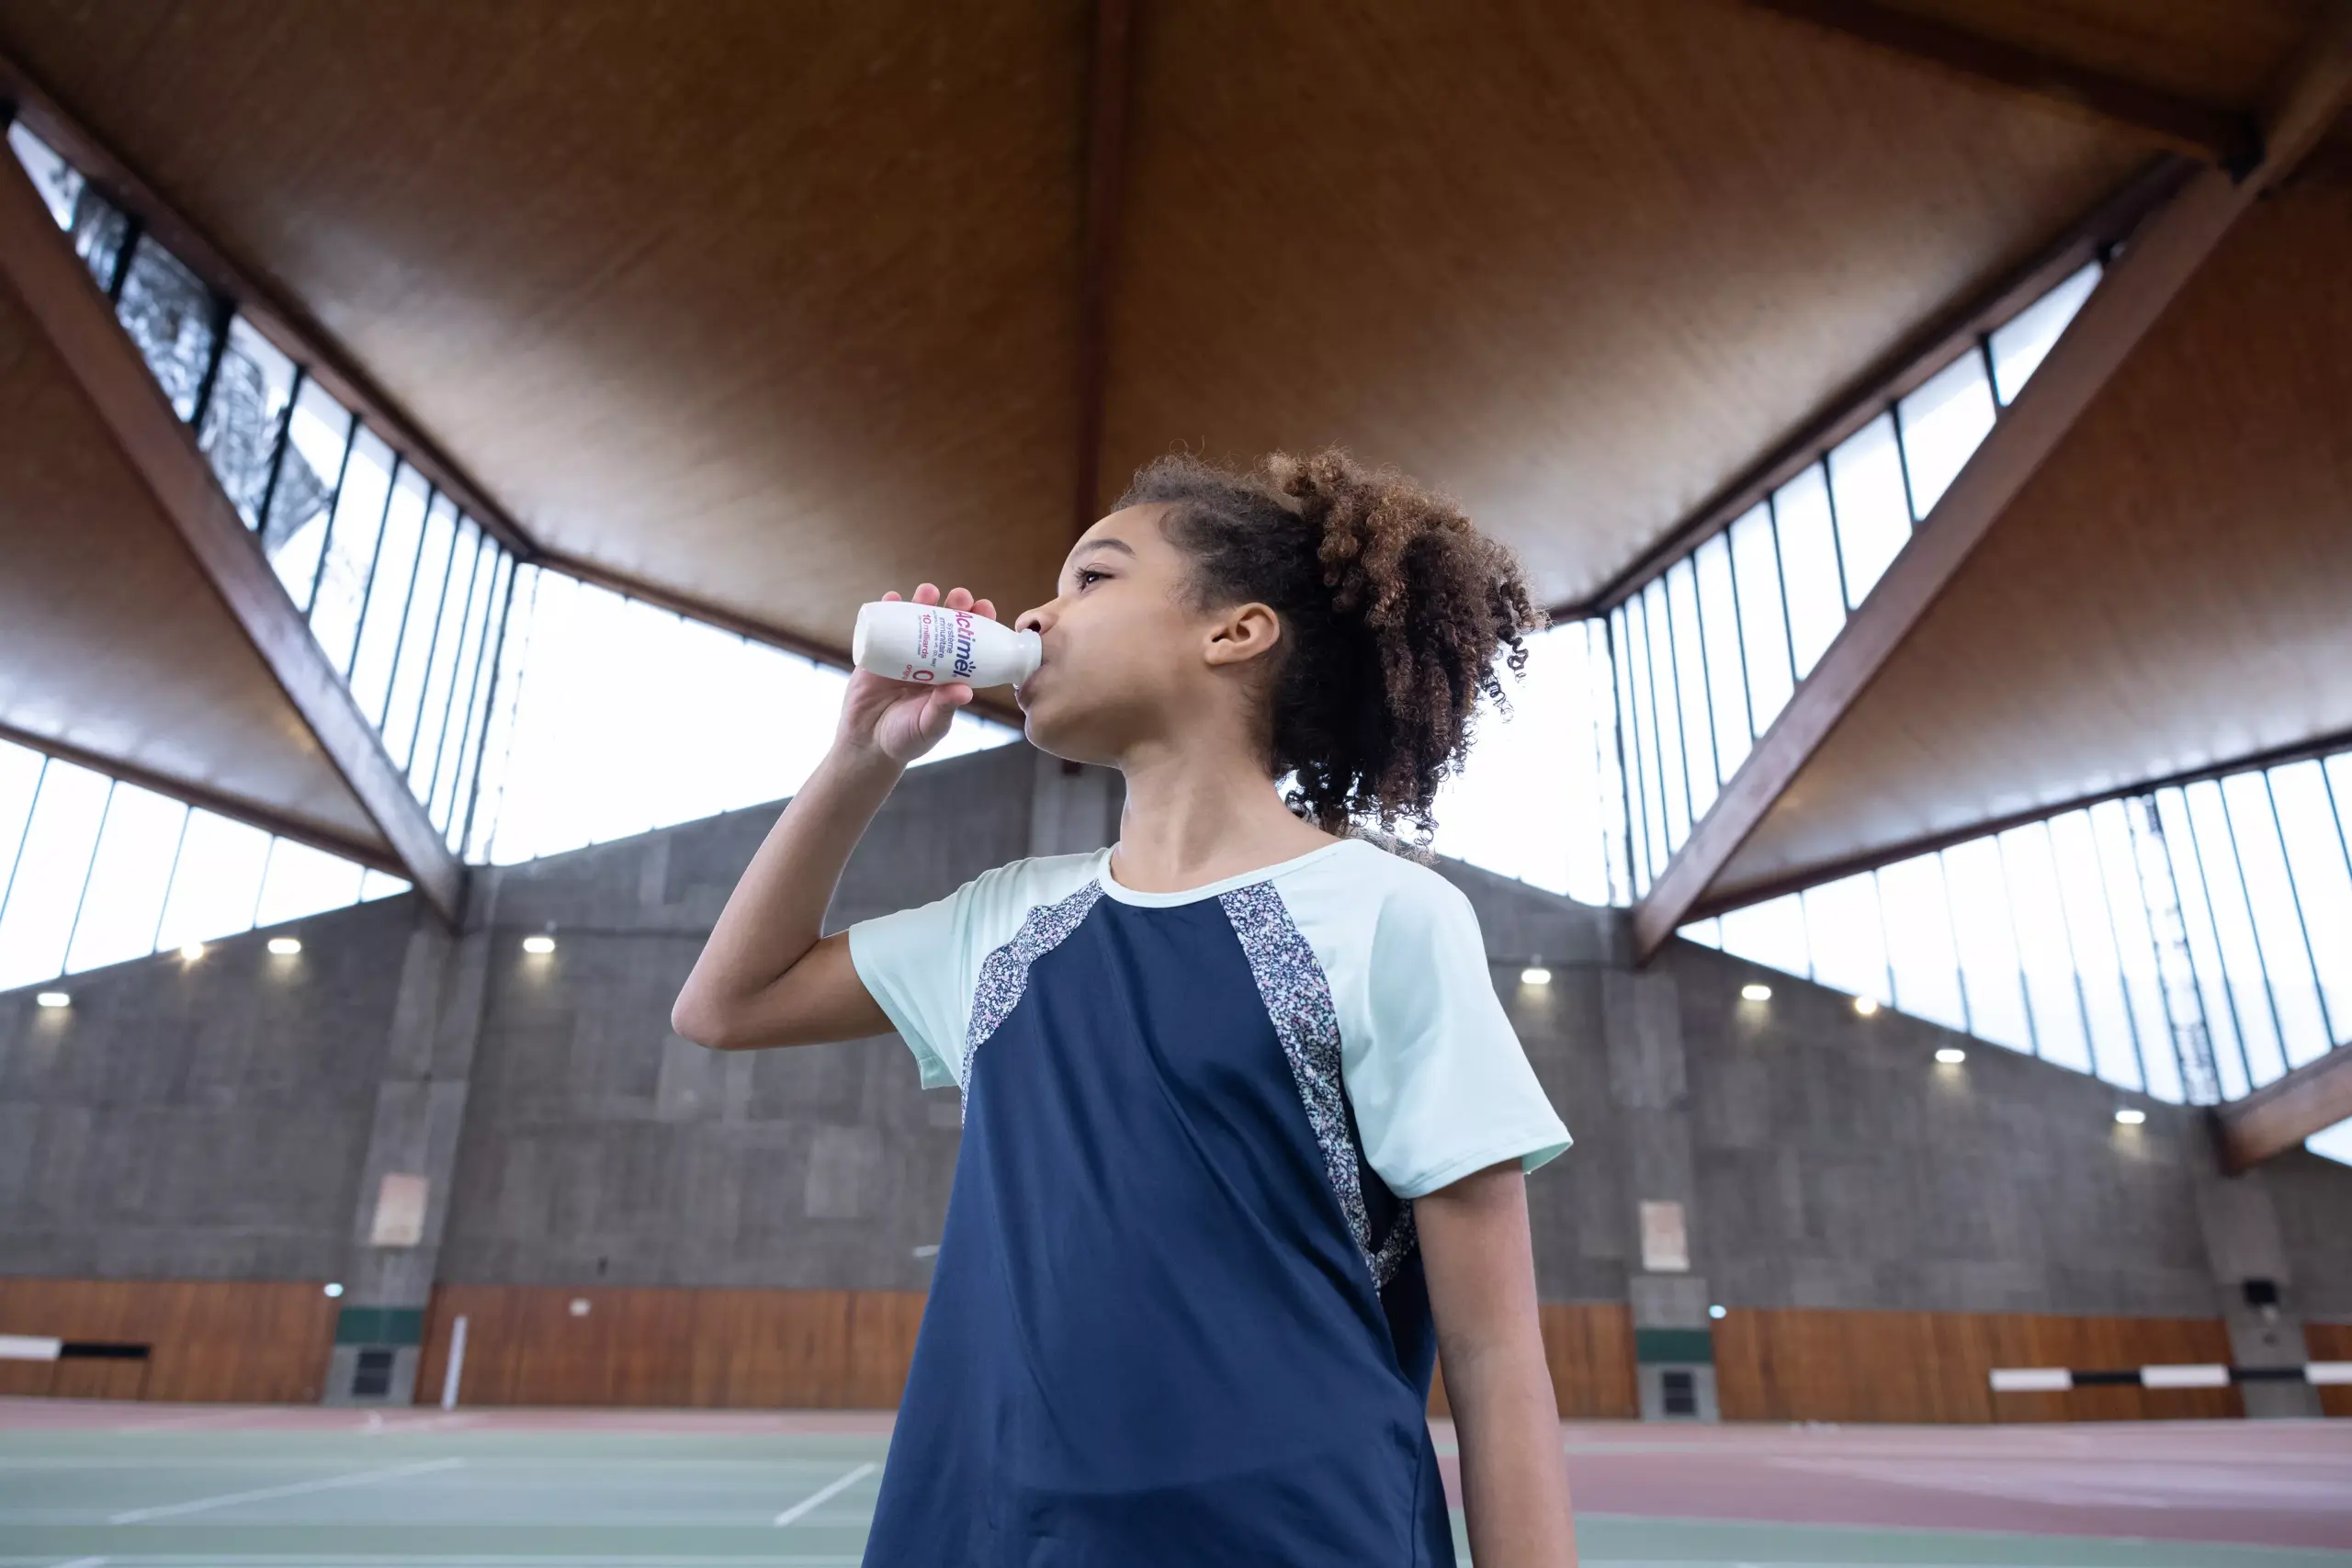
(1514, 1483)
(777, 912)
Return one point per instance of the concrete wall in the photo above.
(198, 1120)
(218, 1122)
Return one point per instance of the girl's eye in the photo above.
(1087, 576)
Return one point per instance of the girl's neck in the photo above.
(1196, 814)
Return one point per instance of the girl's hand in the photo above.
(898, 721)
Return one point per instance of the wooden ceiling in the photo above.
(765, 308)
(2172, 591)
(114, 646)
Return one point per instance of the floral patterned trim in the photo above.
(1005, 976)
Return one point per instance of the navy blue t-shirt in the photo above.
(1178, 1315)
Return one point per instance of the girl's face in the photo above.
(1129, 657)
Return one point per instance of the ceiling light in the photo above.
(2130, 1118)
(1717, 1313)
(191, 951)
(539, 944)
(1535, 975)
(53, 999)
(334, 1290)
(1866, 1004)
(285, 946)
(1756, 993)
(1952, 1055)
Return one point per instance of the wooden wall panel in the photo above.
(2330, 1342)
(242, 1341)
(784, 1349)
(1805, 1364)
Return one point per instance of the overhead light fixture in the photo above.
(1950, 1056)
(1756, 993)
(1535, 975)
(190, 951)
(53, 999)
(1866, 1004)
(2129, 1117)
(334, 1290)
(1717, 1313)
(285, 946)
(539, 944)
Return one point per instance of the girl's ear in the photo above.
(1243, 633)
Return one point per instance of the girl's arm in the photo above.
(1481, 1268)
(766, 977)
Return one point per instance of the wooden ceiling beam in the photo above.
(38, 261)
(2281, 1114)
(2153, 266)
(2216, 136)
(1110, 73)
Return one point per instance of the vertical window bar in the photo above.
(1886, 940)
(1836, 535)
(1739, 635)
(432, 643)
(326, 539)
(375, 563)
(1682, 732)
(1637, 800)
(456, 656)
(89, 869)
(17, 855)
(1616, 740)
(1903, 461)
(2192, 1038)
(1780, 573)
(162, 909)
(2073, 959)
(1707, 671)
(2214, 923)
(131, 232)
(261, 888)
(2123, 981)
(1959, 961)
(408, 603)
(2253, 924)
(1992, 381)
(2336, 809)
(2302, 926)
(224, 310)
(277, 449)
(497, 670)
(1657, 729)
(2017, 946)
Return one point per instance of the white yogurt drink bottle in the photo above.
(934, 644)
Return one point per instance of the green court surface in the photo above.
(442, 1496)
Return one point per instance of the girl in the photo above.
(1245, 1126)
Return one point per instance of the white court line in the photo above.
(826, 1494)
(356, 1478)
(85, 1562)
(198, 1418)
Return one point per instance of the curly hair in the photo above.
(1393, 608)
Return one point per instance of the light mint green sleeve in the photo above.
(921, 966)
(1440, 1084)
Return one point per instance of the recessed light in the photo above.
(190, 951)
(580, 1306)
(1950, 1056)
(285, 946)
(1717, 1313)
(2130, 1118)
(334, 1290)
(53, 999)
(539, 944)
(1535, 975)
(1866, 1004)
(1756, 993)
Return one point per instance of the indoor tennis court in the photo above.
(85, 1484)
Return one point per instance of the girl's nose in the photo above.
(1037, 620)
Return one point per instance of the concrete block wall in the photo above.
(229, 1120)
(198, 1120)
